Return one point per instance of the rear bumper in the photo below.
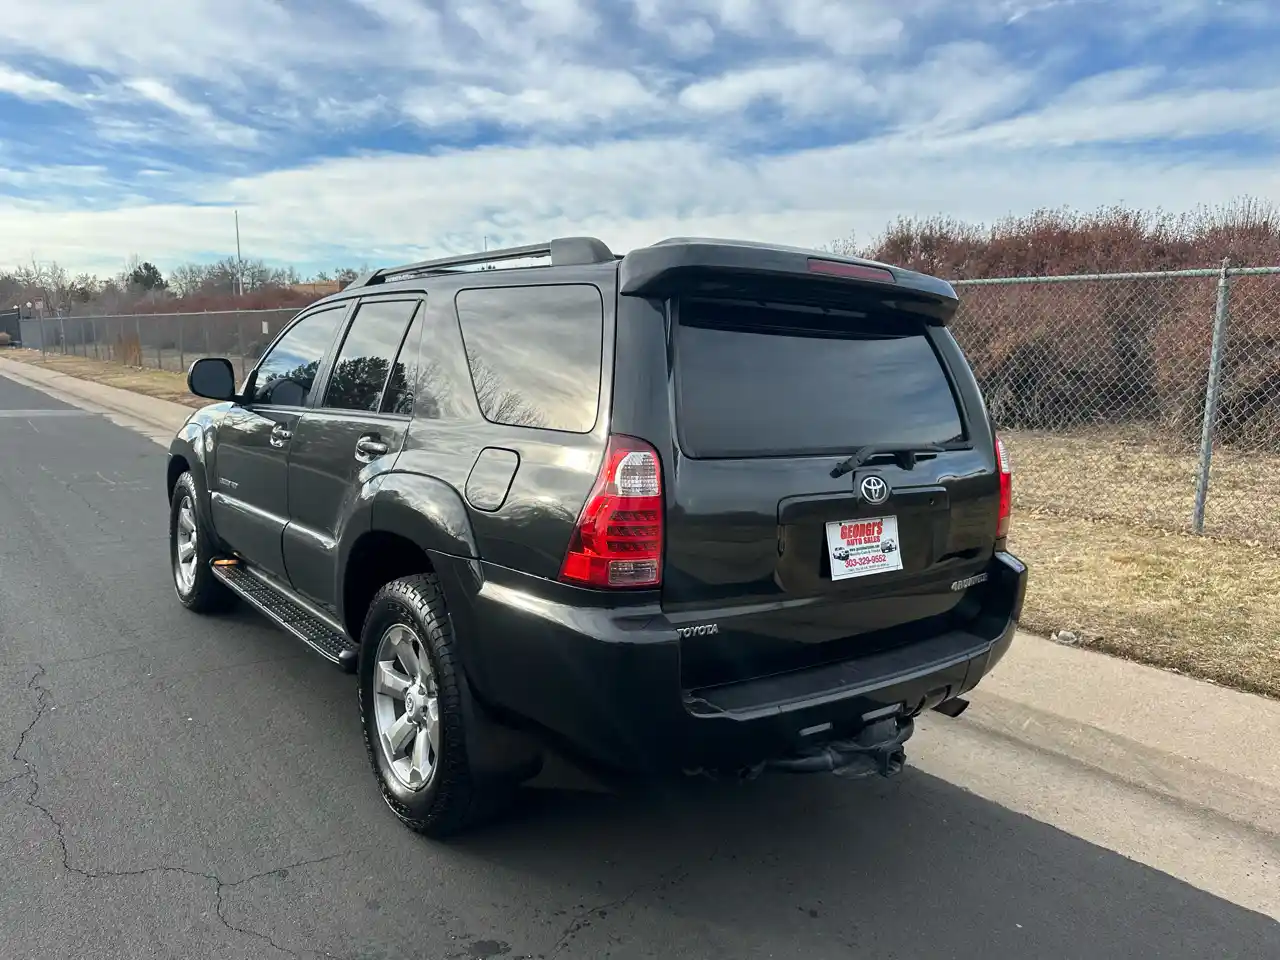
(607, 680)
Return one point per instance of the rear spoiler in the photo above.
(735, 268)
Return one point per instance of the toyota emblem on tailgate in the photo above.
(874, 490)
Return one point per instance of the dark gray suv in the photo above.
(638, 507)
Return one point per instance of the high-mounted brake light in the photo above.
(853, 271)
(617, 541)
(1006, 489)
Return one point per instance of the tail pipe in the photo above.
(952, 708)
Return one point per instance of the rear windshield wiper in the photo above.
(906, 456)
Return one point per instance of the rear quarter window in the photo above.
(535, 353)
(755, 381)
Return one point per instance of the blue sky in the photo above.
(367, 131)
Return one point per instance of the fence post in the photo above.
(1216, 352)
(62, 334)
(182, 351)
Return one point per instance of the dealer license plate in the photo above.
(859, 548)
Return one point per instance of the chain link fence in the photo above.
(162, 341)
(1139, 398)
(1149, 398)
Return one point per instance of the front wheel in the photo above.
(190, 554)
(412, 711)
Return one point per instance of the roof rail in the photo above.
(563, 251)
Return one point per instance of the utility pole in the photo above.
(239, 261)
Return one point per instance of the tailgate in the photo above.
(782, 551)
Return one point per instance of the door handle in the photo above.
(369, 447)
(280, 436)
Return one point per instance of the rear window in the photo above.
(753, 381)
(534, 353)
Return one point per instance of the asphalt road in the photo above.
(179, 786)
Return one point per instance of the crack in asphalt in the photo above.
(93, 508)
(44, 700)
(582, 919)
(114, 651)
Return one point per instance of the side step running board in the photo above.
(288, 613)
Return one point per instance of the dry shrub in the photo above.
(128, 350)
(1058, 355)
(268, 298)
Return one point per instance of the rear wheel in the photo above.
(412, 711)
(191, 552)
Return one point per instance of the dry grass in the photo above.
(1103, 521)
(1131, 476)
(152, 383)
(1199, 605)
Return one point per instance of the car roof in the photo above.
(650, 269)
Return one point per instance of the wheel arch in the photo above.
(187, 455)
(407, 524)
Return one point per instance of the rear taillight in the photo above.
(617, 541)
(1006, 489)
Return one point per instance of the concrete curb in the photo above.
(163, 415)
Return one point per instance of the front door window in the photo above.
(287, 373)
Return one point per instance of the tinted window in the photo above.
(288, 371)
(534, 353)
(364, 362)
(760, 382)
(404, 385)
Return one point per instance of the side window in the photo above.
(405, 383)
(364, 362)
(287, 373)
(534, 353)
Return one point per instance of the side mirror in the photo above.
(212, 378)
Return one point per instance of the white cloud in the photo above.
(209, 39)
(199, 117)
(565, 96)
(846, 28)
(1163, 117)
(805, 87)
(24, 86)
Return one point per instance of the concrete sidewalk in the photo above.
(1186, 740)
(158, 419)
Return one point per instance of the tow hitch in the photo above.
(877, 749)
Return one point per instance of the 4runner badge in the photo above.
(968, 582)
(703, 630)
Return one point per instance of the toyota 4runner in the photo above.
(640, 508)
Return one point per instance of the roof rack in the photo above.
(563, 251)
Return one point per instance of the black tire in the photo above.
(451, 801)
(205, 593)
